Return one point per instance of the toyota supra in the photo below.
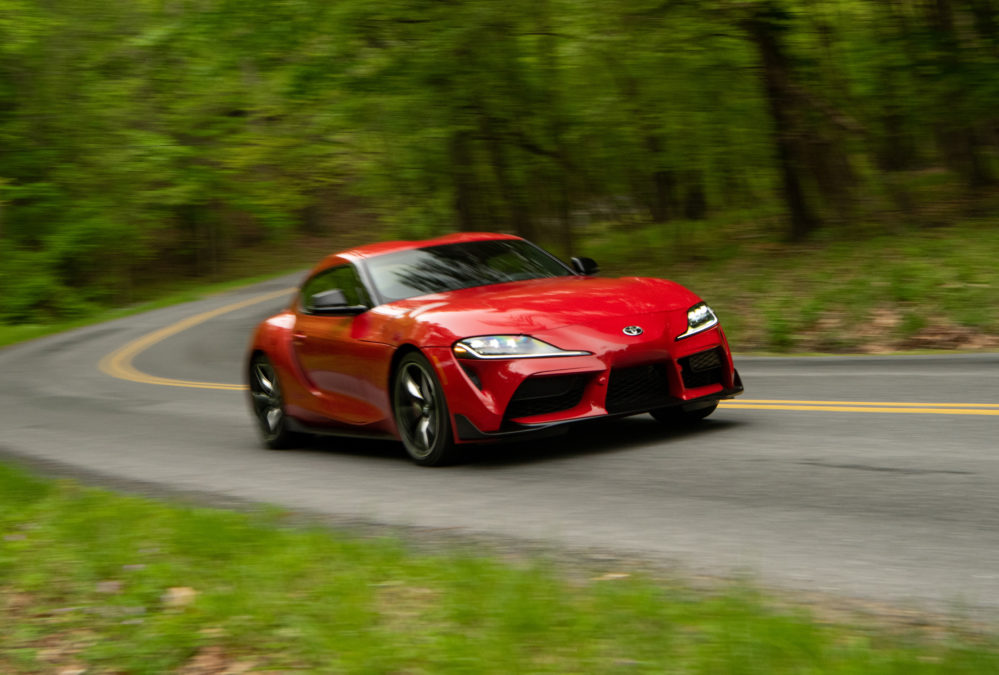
(478, 337)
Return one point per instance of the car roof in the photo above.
(380, 248)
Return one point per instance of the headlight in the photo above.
(507, 347)
(700, 317)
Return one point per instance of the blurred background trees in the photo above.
(152, 138)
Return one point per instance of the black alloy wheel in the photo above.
(679, 416)
(421, 413)
(268, 405)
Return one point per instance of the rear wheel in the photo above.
(678, 416)
(268, 405)
(421, 413)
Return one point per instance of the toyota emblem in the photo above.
(632, 330)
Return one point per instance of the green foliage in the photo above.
(149, 139)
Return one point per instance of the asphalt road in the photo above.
(887, 500)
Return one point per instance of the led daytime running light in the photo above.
(700, 318)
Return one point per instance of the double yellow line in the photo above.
(866, 407)
(120, 364)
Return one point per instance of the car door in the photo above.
(341, 366)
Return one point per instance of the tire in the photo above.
(421, 413)
(679, 416)
(268, 405)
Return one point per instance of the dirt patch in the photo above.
(945, 335)
(212, 660)
(883, 331)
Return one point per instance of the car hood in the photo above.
(529, 307)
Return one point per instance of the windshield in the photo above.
(436, 269)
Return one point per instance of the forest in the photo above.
(152, 138)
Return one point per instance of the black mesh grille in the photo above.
(703, 368)
(638, 388)
(542, 395)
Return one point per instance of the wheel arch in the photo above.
(400, 353)
(442, 449)
(272, 338)
(248, 363)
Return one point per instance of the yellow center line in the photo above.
(892, 404)
(119, 363)
(847, 406)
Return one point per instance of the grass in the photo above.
(94, 582)
(176, 294)
(919, 288)
(922, 287)
(244, 266)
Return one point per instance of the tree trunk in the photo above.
(984, 12)
(695, 202)
(556, 125)
(519, 215)
(662, 204)
(763, 31)
(462, 182)
(659, 192)
(663, 201)
(959, 137)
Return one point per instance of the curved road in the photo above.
(869, 477)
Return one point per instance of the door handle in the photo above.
(298, 338)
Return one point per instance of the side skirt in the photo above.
(301, 427)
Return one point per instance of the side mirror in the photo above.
(333, 302)
(585, 266)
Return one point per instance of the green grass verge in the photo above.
(244, 266)
(919, 288)
(111, 584)
(166, 296)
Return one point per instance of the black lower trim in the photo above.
(672, 402)
(301, 427)
(467, 431)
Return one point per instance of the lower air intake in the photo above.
(543, 395)
(703, 368)
(638, 388)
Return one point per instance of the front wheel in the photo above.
(421, 413)
(268, 405)
(679, 416)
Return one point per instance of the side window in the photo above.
(344, 277)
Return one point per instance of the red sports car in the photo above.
(479, 337)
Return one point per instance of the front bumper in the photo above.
(624, 375)
(465, 429)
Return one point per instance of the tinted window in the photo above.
(345, 278)
(446, 268)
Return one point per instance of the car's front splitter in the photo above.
(468, 432)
